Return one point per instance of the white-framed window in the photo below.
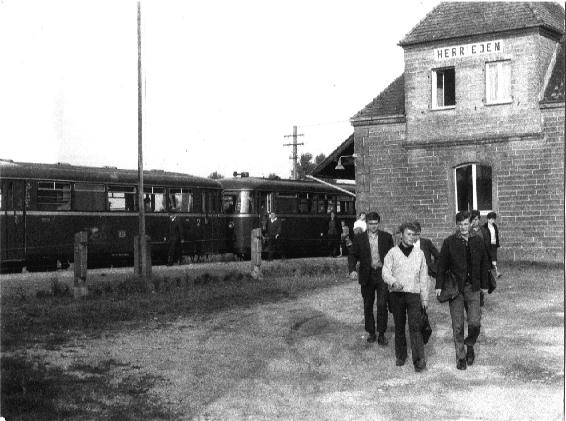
(443, 88)
(498, 82)
(473, 185)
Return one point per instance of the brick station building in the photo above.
(476, 121)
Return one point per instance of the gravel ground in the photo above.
(308, 359)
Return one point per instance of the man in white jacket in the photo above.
(406, 273)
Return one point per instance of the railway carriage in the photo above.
(42, 206)
(303, 206)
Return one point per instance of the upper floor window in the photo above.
(443, 88)
(473, 188)
(498, 82)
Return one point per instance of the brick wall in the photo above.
(404, 182)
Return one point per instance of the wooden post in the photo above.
(256, 243)
(81, 251)
(146, 264)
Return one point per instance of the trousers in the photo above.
(467, 301)
(375, 292)
(403, 305)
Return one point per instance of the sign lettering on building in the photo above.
(468, 50)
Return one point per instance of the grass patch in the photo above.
(33, 391)
(53, 317)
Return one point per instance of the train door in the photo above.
(265, 206)
(13, 209)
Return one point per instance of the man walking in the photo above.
(430, 252)
(463, 261)
(370, 248)
(406, 273)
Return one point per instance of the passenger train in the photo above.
(42, 206)
(303, 207)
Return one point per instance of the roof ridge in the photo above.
(422, 20)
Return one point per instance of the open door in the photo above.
(14, 216)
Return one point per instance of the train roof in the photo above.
(67, 172)
(266, 184)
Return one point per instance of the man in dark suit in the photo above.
(463, 260)
(273, 235)
(429, 250)
(370, 248)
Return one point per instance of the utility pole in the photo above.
(294, 145)
(142, 248)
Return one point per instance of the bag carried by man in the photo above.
(426, 329)
(450, 290)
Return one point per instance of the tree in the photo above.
(273, 176)
(215, 175)
(305, 166)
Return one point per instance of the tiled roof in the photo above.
(459, 19)
(555, 88)
(327, 168)
(389, 102)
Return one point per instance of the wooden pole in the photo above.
(80, 264)
(142, 269)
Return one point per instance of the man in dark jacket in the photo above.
(463, 260)
(273, 236)
(370, 248)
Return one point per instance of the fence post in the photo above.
(81, 252)
(256, 243)
(137, 262)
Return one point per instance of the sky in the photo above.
(224, 81)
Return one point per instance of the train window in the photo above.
(89, 197)
(181, 200)
(154, 199)
(210, 202)
(303, 203)
(229, 202)
(287, 203)
(322, 204)
(345, 205)
(1, 197)
(52, 195)
(122, 198)
(331, 204)
(244, 203)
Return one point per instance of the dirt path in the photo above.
(308, 359)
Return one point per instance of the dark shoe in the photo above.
(371, 339)
(470, 355)
(499, 274)
(461, 364)
(420, 365)
(381, 340)
(399, 362)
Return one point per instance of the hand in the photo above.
(484, 291)
(397, 286)
(354, 275)
(438, 291)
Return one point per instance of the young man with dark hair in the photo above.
(492, 234)
(406, 273)
(370, 248)
(463, 261)
(430, 251)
